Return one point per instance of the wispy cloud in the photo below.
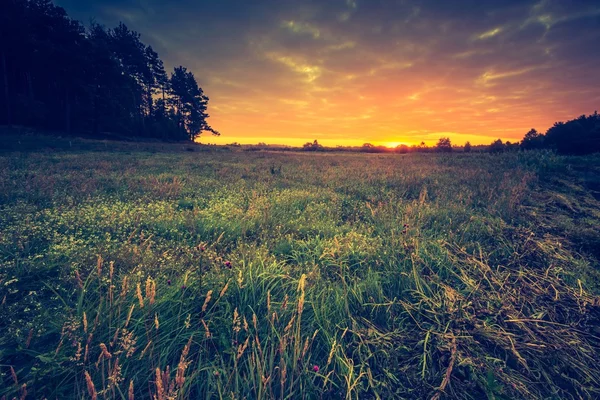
(387, 70)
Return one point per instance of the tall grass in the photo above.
(135, 274)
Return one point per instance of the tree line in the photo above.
(578, 136)
(59, 75)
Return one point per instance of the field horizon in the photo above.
(140, 270)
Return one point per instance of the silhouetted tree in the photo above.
(421, 148)
(532, 140)
(497, 146)
(155, 80)
(57, 75)
(189, 103)
(509, 146)
(314, 146)
(578, 136)
(443, 145)
(467, 147)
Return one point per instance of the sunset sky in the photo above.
(346, 72)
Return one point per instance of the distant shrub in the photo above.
(314, 146)
(369, 148)
(497, 147)
(402, 149)
(443, 145)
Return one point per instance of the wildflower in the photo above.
(202, 248)
(169, 282)
(315, 368)
(216, 373)
(228, 264)
(183, 287)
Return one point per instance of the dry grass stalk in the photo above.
(242, 348)
(86, 353)
(150, 290)
(301, 286)
(207, 300)
(448, 373)
(90, 386)
(124, 287)
(290, 324)
(224, 290)
(130, 395)
(206, 330)
(13, 374)
(99, 265)
(236, 325)
(115, 375)
(105, 352)
(160, 389)
(23, 392)
(79, 280)
(85, 322)
(332, 352)
(285, 302)
(183, 364)
(129, 315)
(145, 349)
(138, 293)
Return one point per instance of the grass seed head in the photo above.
(138, 293)
(224, 290)
(207, 300)
(90, 386)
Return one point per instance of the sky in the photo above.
(385, 72)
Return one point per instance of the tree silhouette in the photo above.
(312, 146)
(497, 146)
(532, 140)
(55, 74)
(444, 145)
(578, 136)
(467, 147)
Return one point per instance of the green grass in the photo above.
(231, 274)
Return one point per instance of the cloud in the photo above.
(365, 70)
(301, 28)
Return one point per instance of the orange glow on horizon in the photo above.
(351, 72)
(348, 84)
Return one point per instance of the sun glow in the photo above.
(393, 145)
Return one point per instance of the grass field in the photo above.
(169, 272)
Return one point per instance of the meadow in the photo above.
(166, 271)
